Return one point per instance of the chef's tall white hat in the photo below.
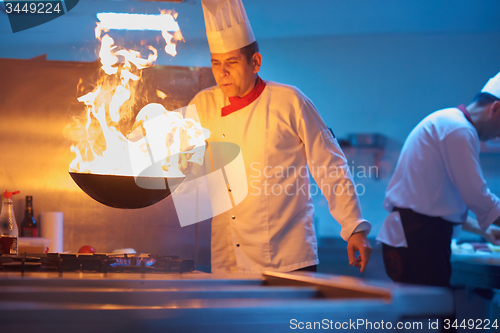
(493, 86)
(227, 24)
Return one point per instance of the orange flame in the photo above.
(101, 146)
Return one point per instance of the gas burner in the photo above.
(97, 263)
(22, 266)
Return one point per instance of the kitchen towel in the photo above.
(51, 227)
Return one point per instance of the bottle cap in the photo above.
(8, 194)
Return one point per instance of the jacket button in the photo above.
(233, 217)
(223, 135)
(237, 245)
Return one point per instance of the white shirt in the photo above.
(279, 134)
(438, 174)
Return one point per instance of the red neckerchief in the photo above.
(466, 113)
(238, 103)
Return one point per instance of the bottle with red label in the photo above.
(29, 227)
(8, 225)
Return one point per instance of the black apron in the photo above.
(426, 260)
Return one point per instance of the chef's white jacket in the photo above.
(439, 174)
(278, 134)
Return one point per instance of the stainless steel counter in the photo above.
(476, 274)
(200, 302)
(476, 270)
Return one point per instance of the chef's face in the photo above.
(234, 74)
(492, 128)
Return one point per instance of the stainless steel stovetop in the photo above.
(82, 301)
(97, 263)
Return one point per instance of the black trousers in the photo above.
(313, 268)
(426, 260)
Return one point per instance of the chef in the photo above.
(279, 132)
(437, 180)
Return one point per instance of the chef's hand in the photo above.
(492, 235)
(358, 242)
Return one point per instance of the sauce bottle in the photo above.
(29, 227)
(8, 225)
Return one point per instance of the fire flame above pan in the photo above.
(114, 149)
